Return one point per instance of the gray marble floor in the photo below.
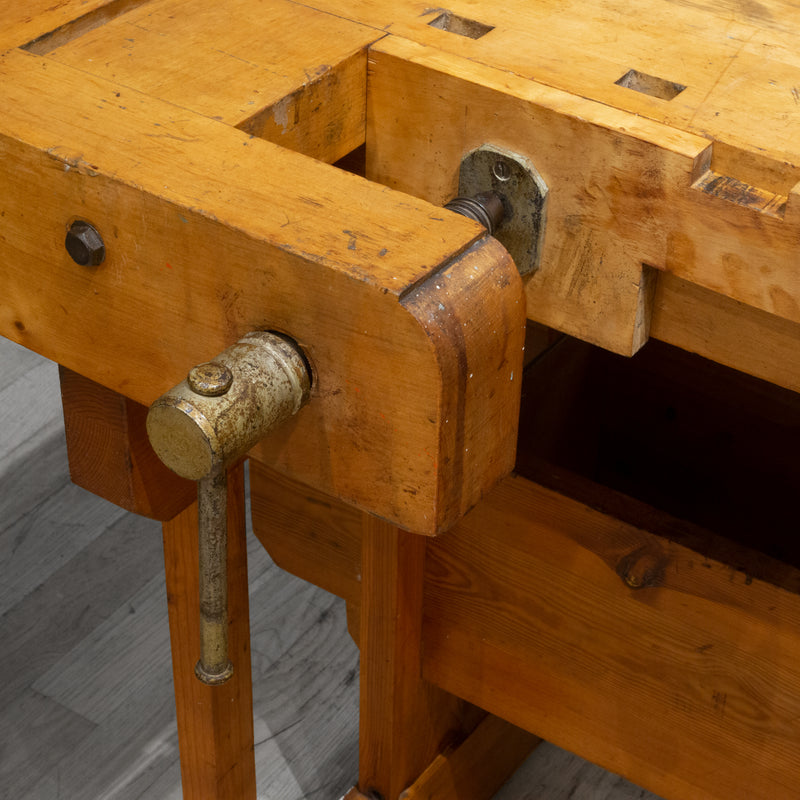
(86, 709)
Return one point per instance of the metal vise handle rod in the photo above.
(214, 665)
(202, 426)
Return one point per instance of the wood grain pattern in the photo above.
(42, 17)
(600, 283)
(625, 191)
(591, 282)
(687, 685)
(305, 92)
(215, 723)
(234, 266)
(404, 721)
(721, 51)
(307, 533)
(727, 332)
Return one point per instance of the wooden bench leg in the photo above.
(404, 721)
(416, 741)
(215, 723)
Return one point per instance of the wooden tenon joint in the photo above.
(110, 455)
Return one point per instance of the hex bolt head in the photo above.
(85, 245)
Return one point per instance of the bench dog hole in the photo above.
(650, 84)
(452, 23)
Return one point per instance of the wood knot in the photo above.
(643, 567)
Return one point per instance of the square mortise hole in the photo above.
(650, 84)
(472, 29)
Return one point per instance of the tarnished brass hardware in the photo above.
(194, 432)
(214, 666)
(201, 427)
(210, 380)
(523, 193)
(485, 208)
(84, 244)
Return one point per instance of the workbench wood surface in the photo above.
(703, 194)
(736, 62)
(86, 706)
(667, 133)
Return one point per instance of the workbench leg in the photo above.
(404, 721)
(215, 723)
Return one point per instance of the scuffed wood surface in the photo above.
(724, 73)
(211, 234)
(738, 62)
(591, 282)
(630, 198)
(21, 25)
(291, 75)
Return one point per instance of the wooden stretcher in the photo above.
(272, 165)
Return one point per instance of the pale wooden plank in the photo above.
(728, 56)
(727, 332)
(339, 263)
(306, 91)
(22, 24)
(689, 684)
(591, 282)
(624, 192)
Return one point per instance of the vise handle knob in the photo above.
(224, 407)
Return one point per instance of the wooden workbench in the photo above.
(213, 145)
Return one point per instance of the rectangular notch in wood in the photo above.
(732, 190)
(453, 23)
(650, 84)
(81, 25)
